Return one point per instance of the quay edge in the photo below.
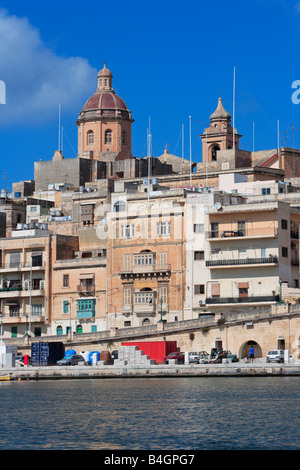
(151, 371)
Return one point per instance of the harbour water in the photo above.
(216, 413)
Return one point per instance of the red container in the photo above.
(156, 350)
(26, 359)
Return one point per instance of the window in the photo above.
(66, 280)
(66, 306)
(143, 297)
(199, 289)
(14, 259)
(124, 138)
(127, 231)
(214, 153)
(37, 259)
(284, 251)
(108, 136)
(37, 309)
(127, 296)
(198, 255)
(243, 292)
(163, 260)
(163, 228)
(127, 323)
(144, 259)
(127, 262)
(265, 191)
(284, 224)
(94, 329)
(214, 228)
(241, 227)
(163, 294)
(90, 137)
(14, 331)
(86, 308)
(59, 330)
(198, 228)
(119, 206)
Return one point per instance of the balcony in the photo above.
(86, 289)
(243, 300)
(249, 232)
(227, 263)
(20, 317)
(13, 267)
(145, 309)
(20, 291)
(146, 270)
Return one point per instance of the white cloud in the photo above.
(37, 79)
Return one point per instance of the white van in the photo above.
(276, 355)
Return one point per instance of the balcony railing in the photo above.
(238, 262)
(248, 232)
(22, 265)
(240, 300)
(86, 289)
(146, 268)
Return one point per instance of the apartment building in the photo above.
(79, 293)
(146, 256)
(25, 283)
(197, 246)
(253, 250)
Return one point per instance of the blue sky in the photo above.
(170, 60)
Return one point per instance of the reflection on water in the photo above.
(163, 413)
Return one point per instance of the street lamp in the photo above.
(161, 302)
(280, 297)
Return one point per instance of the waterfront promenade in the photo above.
(237, 369)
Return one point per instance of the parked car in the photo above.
(174, 355)
(276, 355)
(230, 355)
(71, 360)
(199, 357)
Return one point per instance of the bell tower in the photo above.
(219, 135)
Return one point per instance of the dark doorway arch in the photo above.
(244, 349)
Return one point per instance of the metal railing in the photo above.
(146, 268)
(236, 262)
(240, 300)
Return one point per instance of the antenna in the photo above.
(233, 114)
(190, 151)
(278, 139)
(59, 127)
(149, 158)
(182, 150)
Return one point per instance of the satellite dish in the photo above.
(218, 205)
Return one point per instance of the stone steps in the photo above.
(131, 355)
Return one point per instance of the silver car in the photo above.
(198, 357)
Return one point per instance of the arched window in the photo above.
(119, 206)
(59, 330)
(214, 153)
(108, 136)
(78, 328)
(124, 138)
(90, 137)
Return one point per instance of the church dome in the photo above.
(220, 113)
(104, 102)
